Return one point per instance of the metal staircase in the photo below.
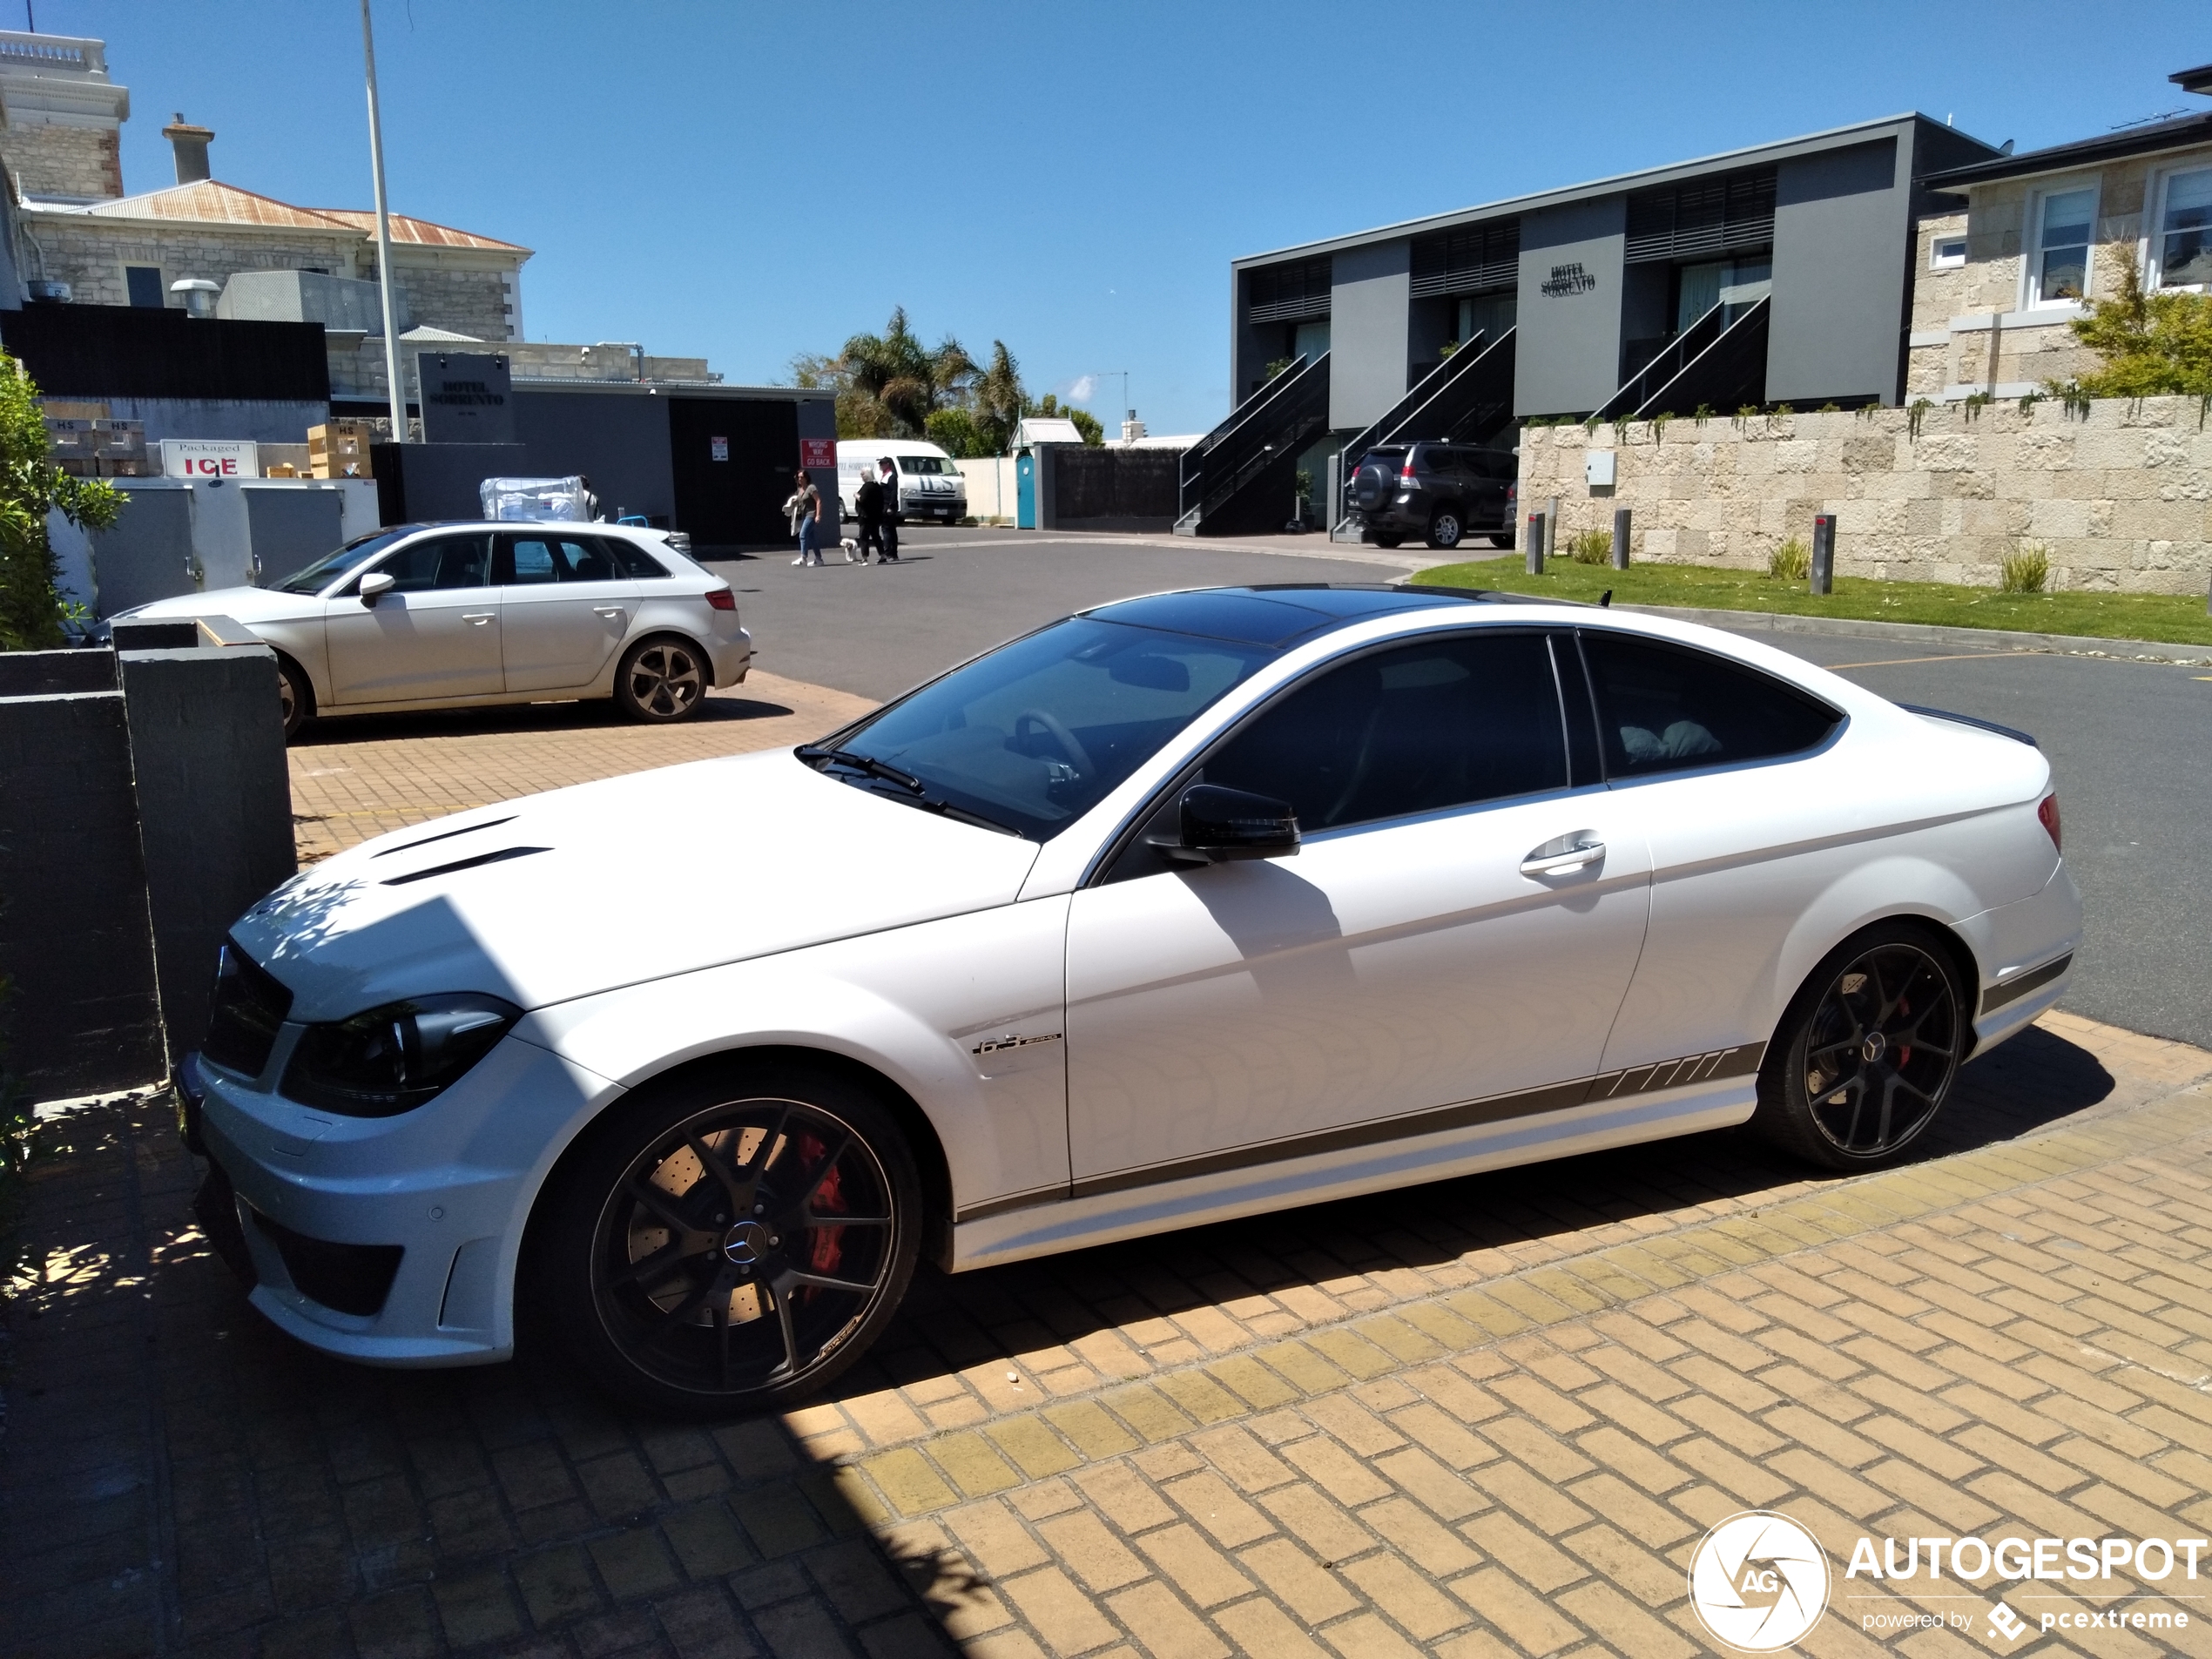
(1467, 398)
(1716, 362)
(1238, 480)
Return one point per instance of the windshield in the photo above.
(1388, 459)
(347, 559)
(1037, 732)
(924, 464)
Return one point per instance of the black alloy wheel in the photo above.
(1868, 1053)
(661, 681)
(1445, 528)
(729, 1244)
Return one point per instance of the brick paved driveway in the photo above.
(1488, 1416)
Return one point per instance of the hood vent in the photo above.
(447, 835)
(501, 856)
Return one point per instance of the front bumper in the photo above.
(318, 1204)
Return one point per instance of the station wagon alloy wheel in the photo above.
(742, 1252)
(1871, 1058)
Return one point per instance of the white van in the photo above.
(929, 485)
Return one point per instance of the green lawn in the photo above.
(2178, 619)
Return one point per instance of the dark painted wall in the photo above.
(1843, 238)
(1570, 353)
(617, 440)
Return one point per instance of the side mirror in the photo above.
(376, 583)
(1220, 824)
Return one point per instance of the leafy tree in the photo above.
(1086, 422)
(906, 379)
(999, 399)
(954, 431)
(2151, 343)
(30, 487)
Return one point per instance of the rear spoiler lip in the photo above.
(2016, 735)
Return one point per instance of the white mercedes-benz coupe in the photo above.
(1183, 908)
(459, 615)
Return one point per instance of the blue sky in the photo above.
(745, 181)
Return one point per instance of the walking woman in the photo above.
(805, 507)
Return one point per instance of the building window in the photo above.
(144, 284)
(2064, 225)
(2183, 250)
(1946, 253)
(1734, 285)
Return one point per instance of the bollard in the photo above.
(1535, 544)
(1823, 553)
(1620, 538)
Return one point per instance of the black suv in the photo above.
(1443, 492)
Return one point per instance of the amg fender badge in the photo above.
(1000, 1045)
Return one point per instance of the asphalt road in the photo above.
(2125, 739)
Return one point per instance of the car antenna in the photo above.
(1605, 599)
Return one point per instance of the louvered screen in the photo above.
(1712, 216)
(1289, 293)
(1469, 262)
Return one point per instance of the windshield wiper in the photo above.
(962, 815)
(811, 752)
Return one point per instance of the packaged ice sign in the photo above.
(818, 452)
(210, 458)
(719, 448)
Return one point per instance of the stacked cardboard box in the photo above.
(339, 450)
(119, 448)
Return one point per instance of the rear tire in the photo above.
(662, 680)
(727, 1242)
(298, 695)
(1445, 529)
(1867, 1051)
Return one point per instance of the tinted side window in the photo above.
(1668, 708)
(441, 562)
(631, 559)
(587, 560)
(1444, 723)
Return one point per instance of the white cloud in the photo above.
(1084, 390)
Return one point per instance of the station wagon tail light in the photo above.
(2048, 815)
(721, 599)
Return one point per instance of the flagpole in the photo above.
(383, 238)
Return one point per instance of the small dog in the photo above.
(851, 550)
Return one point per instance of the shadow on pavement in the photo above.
(177, 1477)
(598, 714)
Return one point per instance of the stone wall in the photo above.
(90, 252)
(2122, 501)
(52, 160)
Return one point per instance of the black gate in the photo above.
(733, 460)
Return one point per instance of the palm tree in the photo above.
(905, 379)
(998, 399)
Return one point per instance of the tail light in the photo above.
(2048, 815)
(1406, 471)
(721, 599)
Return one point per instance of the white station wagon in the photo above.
(1184, 908)
(457, 615)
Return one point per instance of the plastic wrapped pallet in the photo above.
(565, 499)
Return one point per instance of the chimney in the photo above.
(190, 144)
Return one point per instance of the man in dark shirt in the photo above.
(889, 477)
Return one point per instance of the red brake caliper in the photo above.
(827, 1248)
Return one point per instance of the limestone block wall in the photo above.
(90, 252)
(50, 158)
(2122, 501)
(468, 295)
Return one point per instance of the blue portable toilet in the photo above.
(1025, 490)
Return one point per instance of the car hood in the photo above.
(613, 883)
(244, 605)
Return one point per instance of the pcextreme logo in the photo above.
(1758, 1581)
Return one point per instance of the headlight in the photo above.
(392, 1059)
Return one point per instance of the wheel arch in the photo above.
(307, 677)
(922, 1138)
(1942, 934)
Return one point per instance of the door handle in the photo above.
(608, 610)
(1568, 853)
(475, 618)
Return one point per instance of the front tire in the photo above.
(1867, 1052)
(1501, 539)
(1390, 541)
(1445, 529)
(729, 1242)
(662, 680)
(298, 695)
